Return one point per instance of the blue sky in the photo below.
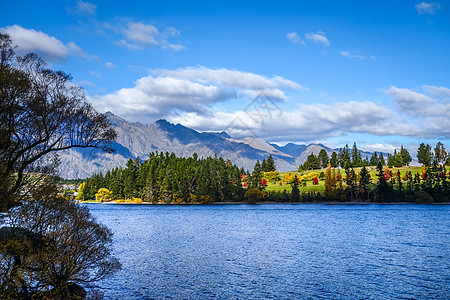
(336, 72)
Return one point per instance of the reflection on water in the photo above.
(278, 251)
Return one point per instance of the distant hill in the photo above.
(136, 140)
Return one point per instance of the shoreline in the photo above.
(262, 203)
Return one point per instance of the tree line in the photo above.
(166, 178)
(347, 157)
(163, 177)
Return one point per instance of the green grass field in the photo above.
(275, 186)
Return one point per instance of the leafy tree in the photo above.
(440, 154)
(50, 247)
(424, 154)
(48, 244)
(272, 176)
(103, 194)
(41, 113)
(288, 177)
(323, 158)
(80, 195)
(330, 182)
(252, 196)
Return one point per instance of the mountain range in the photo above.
(136, 140)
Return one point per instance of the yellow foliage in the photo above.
(192, 198)
(288, 177)
(207, 199)
(424, 169)
(136, 200)
(176, 198)
(81, 191)
(103, 194)
(272, 176)
(311, 176)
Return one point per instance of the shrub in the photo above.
(207, 199)
(253, 195)
(272, 176)
(423, 197)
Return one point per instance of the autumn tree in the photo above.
(330, 182)
(440, 154)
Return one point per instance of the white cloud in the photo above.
(409, 101)
(295, 38)
(437, 91)
(49, 47)
(139, 36)
(167, 93)
(308, 123)
(355, 55)
(318, 38)
(85, 8)
(427, 8)
(110, 65)
(386, 148)
(231, 78)
(431, 113)
(156, 97)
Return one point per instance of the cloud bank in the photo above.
(49, 47)
(166, 93)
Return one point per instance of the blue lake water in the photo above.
(278, 251)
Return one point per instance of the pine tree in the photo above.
(323, 158)
(295, 192)
(344, 157)
(356, 160)
(334, 160)
(398, 160)
(374, 159)
(424, 154)
(270, 164)
(381, 159)
(405, 156)
(364, 181)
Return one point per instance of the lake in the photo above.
(278, 251)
